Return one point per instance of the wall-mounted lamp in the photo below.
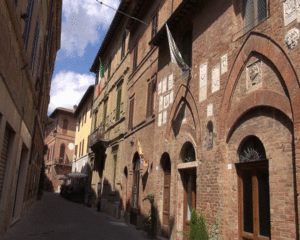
(131, 143)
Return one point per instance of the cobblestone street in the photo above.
(56, 218)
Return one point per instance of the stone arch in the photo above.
(255, 99)
(264, 45)
(184, 94)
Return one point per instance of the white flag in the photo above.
(174, 52)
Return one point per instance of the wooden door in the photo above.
(189, 197)
(166, 204)
(254, 201)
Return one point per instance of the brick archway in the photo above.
(185, 94)
(265, 46)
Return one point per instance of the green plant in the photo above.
(150, 221)
(199, 229)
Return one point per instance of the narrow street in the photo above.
(56, 218)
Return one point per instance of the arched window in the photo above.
(62, 153)
(65, 126)
(254, 194)
(210, 135)
(188, 153)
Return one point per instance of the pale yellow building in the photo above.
(83, 114)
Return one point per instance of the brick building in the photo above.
(110, 104)
(59, 138)
(223, 136)
(30, 39)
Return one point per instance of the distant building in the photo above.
(29, 41)
(59, 138)
(109, 125)
(83, 115)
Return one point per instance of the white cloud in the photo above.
(83, 20)
(67, 89)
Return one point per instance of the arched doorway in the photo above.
(254, 194)
(135, 189)
(166, 166)
(189, 175)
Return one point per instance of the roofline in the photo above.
(85, 97)
(110, 33)
(60, 109)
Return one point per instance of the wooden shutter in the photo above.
(3, 159)
(154, 25)
(135, 55)
(130, 121)
(149, 99)
(118, 103)
(34, 47)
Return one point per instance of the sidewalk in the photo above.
(56, 218)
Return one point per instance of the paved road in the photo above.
(56, 218)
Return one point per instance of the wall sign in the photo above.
(215, 79)
(203, 82)
(224, 64)
(291, 38)
(289, 11)
(209, 109)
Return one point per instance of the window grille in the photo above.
(28, 23)
(255, 11)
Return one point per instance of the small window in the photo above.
(131, 109)
(254, 12)
(123, 46)
(187, 48)
(154, 24)
(150, 98)
(62, 153)
(119, 97)
(104, 113)
(65, 126)
(82, 147)
(210, 137)
(109, 68)
(34, 46)
(28, 22)
(79, 121)
(135, 55)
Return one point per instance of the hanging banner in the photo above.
(140, 151)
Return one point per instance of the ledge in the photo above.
(187, 165)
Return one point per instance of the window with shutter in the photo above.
(135, 55)
(62, 153)
(119, 95)
(28, 22)
(150, 98)
(4, 156)
(154, 25)
(34, 46)
(123, 46)
(65, 126)
(254, 12)
(131, 109)
(104, 114)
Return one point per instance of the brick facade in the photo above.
(56, 136)
(243, 83)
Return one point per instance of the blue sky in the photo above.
(84, 25)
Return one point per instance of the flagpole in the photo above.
(122, 12)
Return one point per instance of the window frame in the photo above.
(131, 112)
(151, 95)
(119, 99)
(154, 24)
(26, 32)
(123, 45)
(135, 55)
(255, 19)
